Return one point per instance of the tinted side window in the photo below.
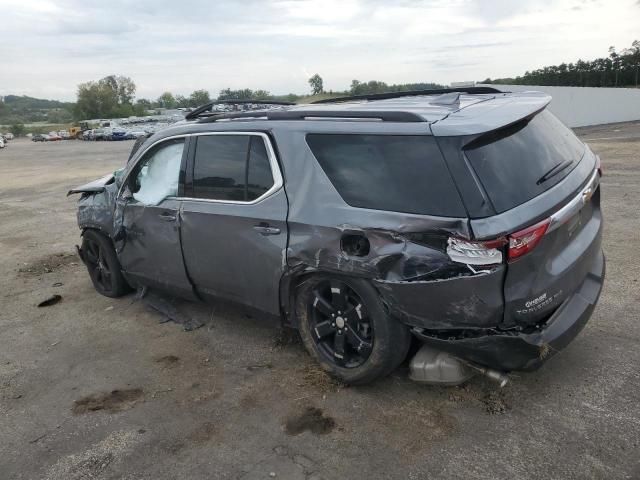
(220, 166)
(231, 167)
(260, 178)
(388, 172)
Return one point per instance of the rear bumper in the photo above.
(528, 351)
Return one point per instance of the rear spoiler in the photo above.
(97, 186)
(490, 114)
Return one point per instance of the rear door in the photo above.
(542, 183)
(234, 219)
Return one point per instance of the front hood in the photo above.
(95, 186)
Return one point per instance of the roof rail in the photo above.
(410, 93)
(239, 101)
(391, 116)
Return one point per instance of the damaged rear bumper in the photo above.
(507, 351)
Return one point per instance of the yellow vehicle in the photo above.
(76, 132)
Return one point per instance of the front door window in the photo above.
(159, 173)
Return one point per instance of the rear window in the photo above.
(518, 163)
(398, 173)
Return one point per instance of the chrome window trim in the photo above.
(273, 163)
(575, 205)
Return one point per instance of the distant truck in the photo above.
(76, 131)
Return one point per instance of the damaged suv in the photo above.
(467, 219)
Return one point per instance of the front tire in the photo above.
(103, 265)
(346, 328)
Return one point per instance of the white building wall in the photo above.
(582, 106)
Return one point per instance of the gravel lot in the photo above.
(95, 388)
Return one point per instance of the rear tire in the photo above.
(103, 265)
(346, 328)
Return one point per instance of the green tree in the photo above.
(110, 96)
(199, 97)
(167, 100)
(18, 129)
(316, 84)
(182, 101)
(59, 115)
(142, 105)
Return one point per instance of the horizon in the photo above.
(277, 45)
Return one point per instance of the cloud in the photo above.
(274, 44)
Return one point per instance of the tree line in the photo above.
(114, 95)
(618, 69)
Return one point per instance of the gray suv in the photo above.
(468, 220)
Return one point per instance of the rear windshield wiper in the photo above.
(556, 169)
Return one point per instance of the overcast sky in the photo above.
(48, 47)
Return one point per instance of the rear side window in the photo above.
(518, 163)
(231, 167)
(399, 173)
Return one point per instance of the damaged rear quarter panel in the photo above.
(416, 279)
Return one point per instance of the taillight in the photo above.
(475, 253)
(526, 240)
(598, 165)
(489, 252)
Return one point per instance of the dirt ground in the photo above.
(95, 388)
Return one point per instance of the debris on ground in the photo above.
(314, 376)
(166, 307)
(48, 264)
(52, 300)
(111, 402)
(311, 419)
(285, 337)
(168, 361)
(495, 402)
(259, 366)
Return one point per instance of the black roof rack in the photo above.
(410, 93)
(239, 101)
(390, 116)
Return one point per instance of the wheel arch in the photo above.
(293, 280)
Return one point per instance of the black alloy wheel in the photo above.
(97, 265)
(103, 265)
(340, 325)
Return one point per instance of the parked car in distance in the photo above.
(118, 134)
(8, 136)
(466, 219)
(98, 134)
(40, 137)
(2, 144)
(135, 134)
(54, 137)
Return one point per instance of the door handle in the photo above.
(167, 217)
(266, 230)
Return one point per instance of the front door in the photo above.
(148, 219)
(234, 229)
